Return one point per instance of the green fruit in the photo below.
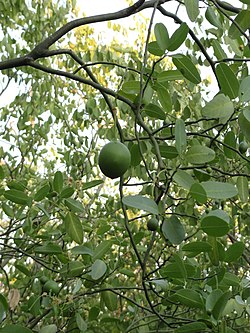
(114, 159)
(243, 146)
(152, 224)
(51, 286)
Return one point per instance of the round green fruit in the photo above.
(243, 146)
(52, 287)
(152, 224)
(114, 159)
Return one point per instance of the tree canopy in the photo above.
(165, 247)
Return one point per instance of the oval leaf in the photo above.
(74, 227)
(219, 190)
(161, 35)
(14, 329)
(187, 68)
(200, 154)
(98, 269)
(180, 136)
(197, 327)
(219, 107)
(216, 223)
(198, 193)
(183, 179)
(234, 252)
(227, 79)
(190, 298)
(173, 230)
(140, 202)
(178, 37)
(18, 197)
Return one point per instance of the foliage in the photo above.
(76, 253)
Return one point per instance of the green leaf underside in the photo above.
(200, 154)
(183, 179)
(219, 190)
(220, 106)
(141, 202)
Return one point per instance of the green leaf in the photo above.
(104, 247)
(18, 197)
(110, 300)
(227, 79)
(230, 140)
(91, 184)
(49, 329)
(3, 307)
(220, 305)
(197, 247)
(218, 50)
(198, 193)
(179, 261)
(183, 179)
(242, 186)
(42, 192)
(215, 223)
(8, 210)
(244, 122)
(212, 298)
(234, 252)
(187, 68)
(67, 192)
(190, 298)
(155, 49)
(14, 329)
(164, 98)
(141, 202)
(49, 248)
(173, 230)
(72, 269)
(171, 75)
(197, 327)
(231, 279)
(219, 107)
(23, 269)
(161, 35)
(2, 174)
(168, 152)
(82, 249)
(74, 227)
(192, 7)
(200, 154)
(74, 205)
(213, 18)
(173, 270)
(81, 324)
(58, 181)
(154, 111)
(178, 37)
(135, 155)
(244, 90)
(98, 269)
(131, 87)
(219, 190)
(180, 136)
(243, 20)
